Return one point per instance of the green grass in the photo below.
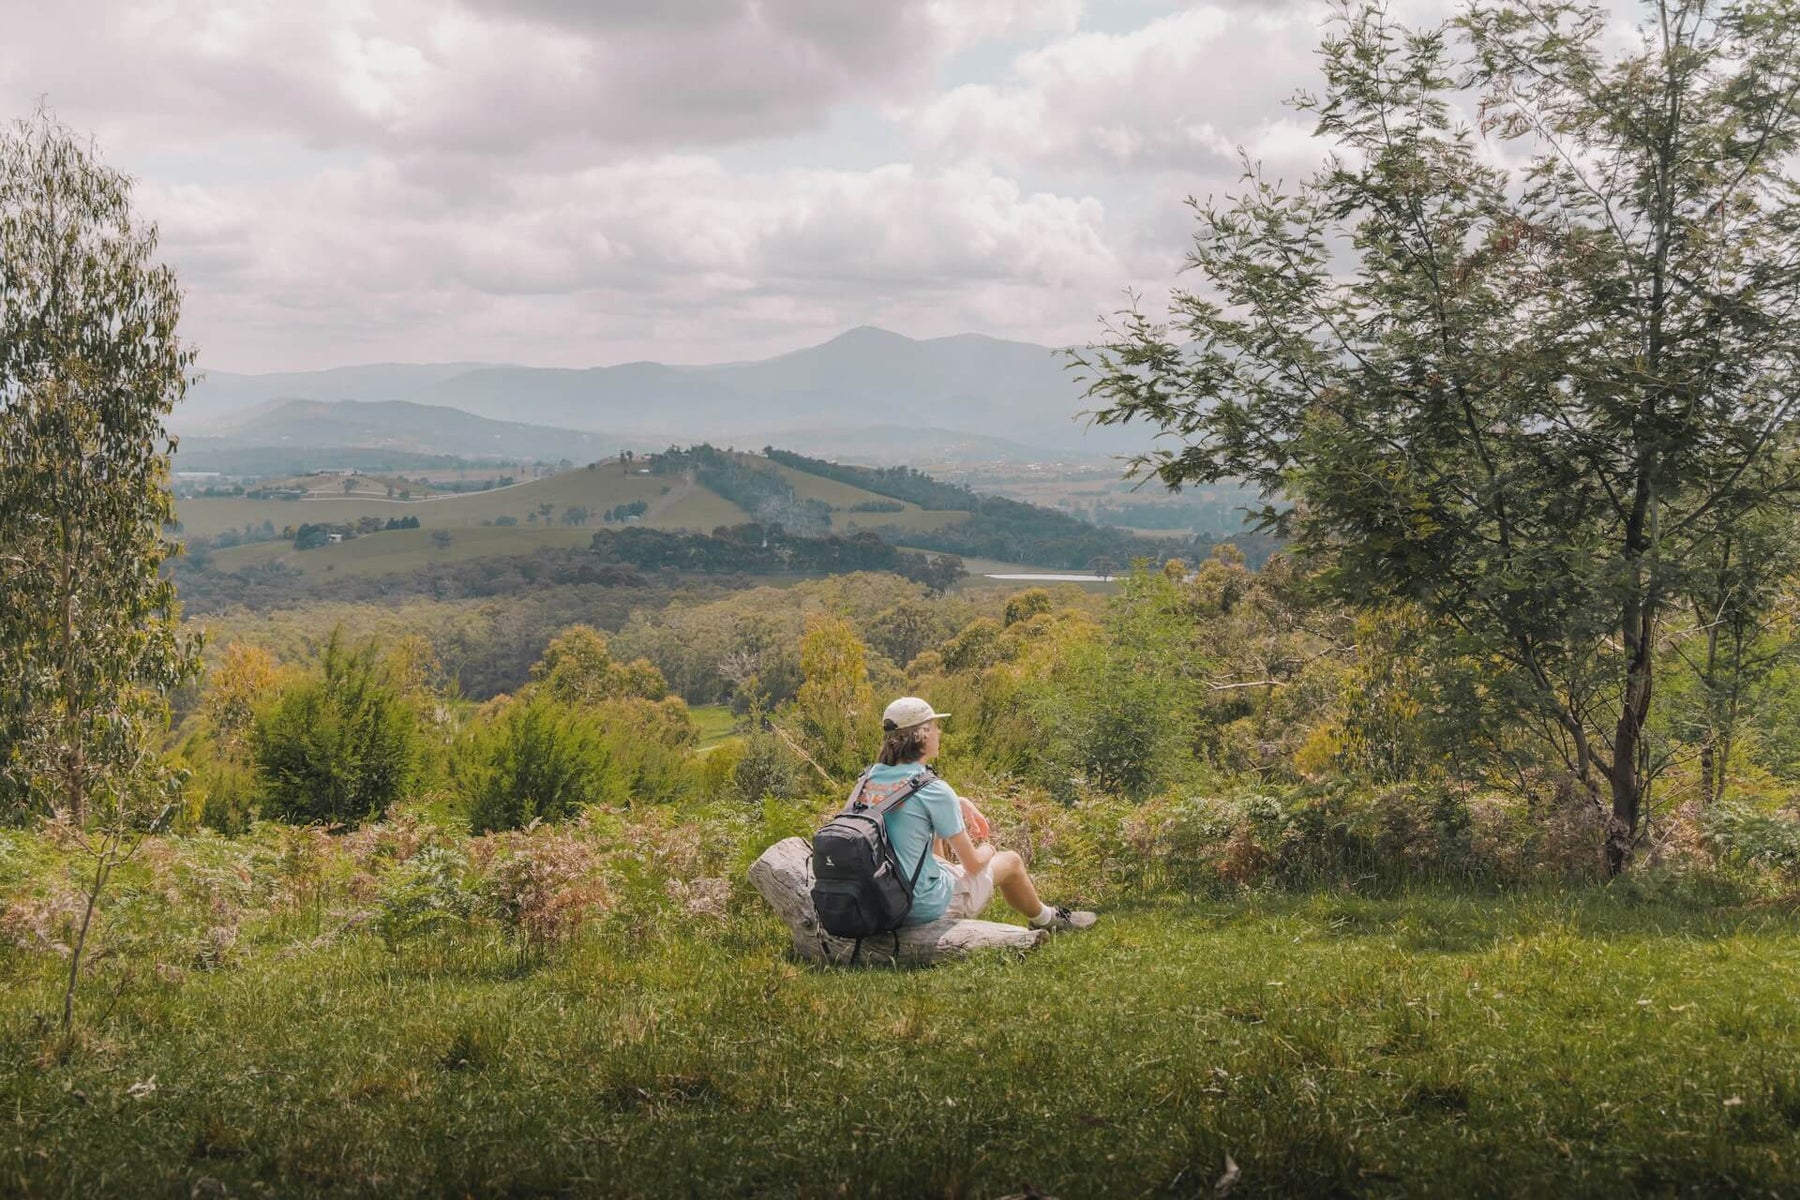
(1577, 1044)
(400, 551)
(842, 496)
(716, 722)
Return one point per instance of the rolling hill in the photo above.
(672, 502)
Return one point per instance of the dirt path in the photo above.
(672, 497)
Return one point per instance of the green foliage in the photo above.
(1746, 834)
(538, 759)
(423, 895)
(976, 645)
(1108, 722)
(90, 365)
(836, 707)
(1031, 602)
(766, 769)
(1537, 405)
(338, 747)
(903, 631)
(578, 668)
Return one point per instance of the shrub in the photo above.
(537, 760)
(422, 895)
(338, 748)
(1024, 605)
(1740, 833)
(766, 769)
(1105, 720)
(540, 887)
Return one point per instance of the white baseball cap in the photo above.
(906, 712)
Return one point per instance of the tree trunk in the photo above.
(102, 868)
(1627, 773)
(783, 875)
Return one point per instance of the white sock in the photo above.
(1044, 915)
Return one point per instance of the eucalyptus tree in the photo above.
(90, 365)
(1525, 373)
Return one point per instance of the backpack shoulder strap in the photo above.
(855, 803)
(924, 778)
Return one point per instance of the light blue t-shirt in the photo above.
(932, 812)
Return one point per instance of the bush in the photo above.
(540, 887)
(1740, 833)
(338, 748)
(422, 895)
(537, 760)
(766, 769)
(1106, 721)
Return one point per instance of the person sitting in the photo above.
(959, 889)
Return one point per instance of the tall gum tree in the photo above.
(1530, 400)
(90, 365)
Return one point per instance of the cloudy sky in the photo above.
(581, 182)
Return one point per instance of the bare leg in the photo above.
(1015, 883)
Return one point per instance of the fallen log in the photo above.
(783, 875)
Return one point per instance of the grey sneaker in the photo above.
(1061, 918)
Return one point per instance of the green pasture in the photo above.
(717, 723)
(361, 486)
(674, 504)
(842, 496)
(397, 551)
(1580, 1044)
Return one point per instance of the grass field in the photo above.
(404, 550)
(673, 505)
(358, 486)
(717, 723)
(843, 496)
(1544, 1044)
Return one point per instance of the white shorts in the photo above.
(969, 894)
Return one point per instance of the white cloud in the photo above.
(542, 180)
(1186, 89)
(580, 268)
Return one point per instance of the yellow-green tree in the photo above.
(578, 668)
(836, 707)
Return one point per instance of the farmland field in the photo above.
(843, 496)
(401, 551)
(673, 505)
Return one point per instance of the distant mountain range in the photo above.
(868, 394)
(398, 425)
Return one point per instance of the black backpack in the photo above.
(859, 887)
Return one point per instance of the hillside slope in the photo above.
(695, 491)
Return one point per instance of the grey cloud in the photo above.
(496, 77)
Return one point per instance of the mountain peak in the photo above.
(870, 335)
